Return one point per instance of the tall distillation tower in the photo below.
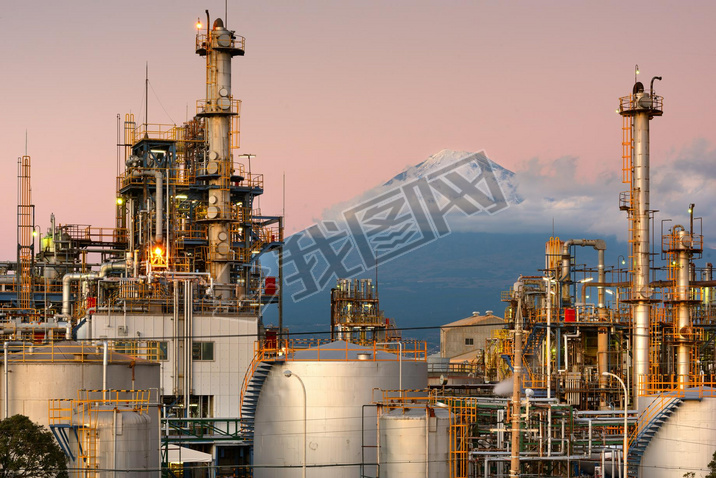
(637, 110)
(219, 47)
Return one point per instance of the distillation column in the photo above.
(219, 46)
(641, 106)
(683, 242)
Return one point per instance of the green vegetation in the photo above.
(29, 450)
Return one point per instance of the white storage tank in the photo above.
(339, 378)
(415, 442)
(57, 371)
(685, 442)
(126, 440)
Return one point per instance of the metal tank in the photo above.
(126, 440)
(341, 381)
(41, 373)
(415, 442)
(686, 439)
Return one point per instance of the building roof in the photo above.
(472, 320)
(469, 356)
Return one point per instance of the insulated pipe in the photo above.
(549, 336)
(158, 200)
(105, 360)
(706, 276)
(600, 246)
(602, 364)
(6, 393)
(566, 351)
(66, 283)
(75, 276)
(189, 275)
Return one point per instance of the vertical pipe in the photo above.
(104, 369)
(6, 393)
(516, 389)
(549, 336)
(427, 442)
(114, 436)
(400, 367)
(549, 431)
(188, 312)
(706, 276)
(280, 285)
(602, 364)
(601, 278)
(177, 357)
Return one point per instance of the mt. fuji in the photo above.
(448, 235)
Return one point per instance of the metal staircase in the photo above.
(653, 418)
(250, 398)
(534, 340)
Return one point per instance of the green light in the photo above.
(120, 201)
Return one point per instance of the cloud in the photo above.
(553, 189)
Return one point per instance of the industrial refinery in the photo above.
(143, 348)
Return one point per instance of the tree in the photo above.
(712, 467)
(29, 450)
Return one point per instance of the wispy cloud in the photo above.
(553, 189)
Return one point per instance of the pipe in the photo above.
(188, 326)
(6, 393)
(158, 200)
(549, 431)
(549, 337)
(427, 442)
(104, 370)
(114, 436)
(66, 283)
(599, 245)
(78, 276)
(566, 351)
(602, 364)
(707, 292)
(189, 275)
(517, 385)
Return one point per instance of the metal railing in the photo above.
(82, 353)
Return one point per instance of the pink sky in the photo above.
(343, 95)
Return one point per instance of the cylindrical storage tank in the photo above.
(39, 374)
(340, 432)
(415, 442)
(685, 442)
(127, 441)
